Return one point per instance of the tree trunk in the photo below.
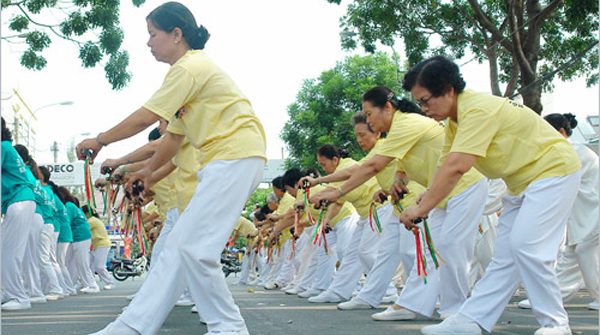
(494, 80)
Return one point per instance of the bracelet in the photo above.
(100, 142)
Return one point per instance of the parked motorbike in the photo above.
(230, 261)
(123, 268)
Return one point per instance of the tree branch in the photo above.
(516, 42)
(550, 8)
(487, 24)
(51, 27)
(511, 86)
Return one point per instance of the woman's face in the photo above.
(379, 118)
(438, 108)
(365, 137)
(328, 164)
(163, 45)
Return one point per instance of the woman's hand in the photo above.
(380, 196)
(398, 191)
(109, 165)
(138, 181)
(411, 216)
(330, 195)
(307, 181)
(89, 145)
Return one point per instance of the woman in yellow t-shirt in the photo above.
(203, 104)
(380, 255)
(100, 248)
(416, 141)
(506, 140)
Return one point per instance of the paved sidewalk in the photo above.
(266, 312)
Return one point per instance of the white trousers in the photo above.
(579, 264)
(171, 217)
(307, 268)
(98, 258)
(78, 262)
(192, 252)
(287, 271)
(264, 267)
(50, 272)
(484, 247)
(396, 245)
(453, 232)
(358, 259)
(31, 262)
(15, 233)
(530, 231)
(64, 276)
(246, 265)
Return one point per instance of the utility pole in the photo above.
(54, 149)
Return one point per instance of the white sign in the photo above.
(71, 174)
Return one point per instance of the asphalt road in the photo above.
(266, 312)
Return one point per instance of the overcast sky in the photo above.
(268, 47)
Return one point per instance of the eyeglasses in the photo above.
(424, 101)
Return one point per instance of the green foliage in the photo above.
(83, 19)
(259, 197)
(323, 110)
(19, 23)
(564, 33)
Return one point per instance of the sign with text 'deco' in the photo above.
(71, 174)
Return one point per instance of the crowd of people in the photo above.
(460, 198)
(51, 246)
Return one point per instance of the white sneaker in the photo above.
(194, 309)
(455, 325)
(293, 291)
(109, 287)
(238, 332)
(388, 299)
(391, 314)
(184, 302)
(560, 330)
(13, 305)
(524, 304)
(310, 293)
(272, 286)
(90, 290)
(354, 303)
(594, 305)
(117, 328)
(37, 300)
(54, 297)
(444, 316)
(325, 297)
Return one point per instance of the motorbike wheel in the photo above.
(117, 272)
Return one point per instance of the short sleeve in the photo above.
(177, 89)
(475, 131)
(176, 127)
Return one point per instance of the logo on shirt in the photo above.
(179, 114)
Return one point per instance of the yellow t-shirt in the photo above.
(203, 103)
(285, 203)
(164, 193)
(360, 197)
(414, 191)
(346, 210)
(245, 228)
(416, 141)
(510, 141)
(186, 179)
(99, 234)
(385, 177)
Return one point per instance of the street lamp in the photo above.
(62, 103)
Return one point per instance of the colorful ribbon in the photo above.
(373, 216)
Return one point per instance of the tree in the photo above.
(324, 106)
(93, 25)
(522, 40)
(259, 197)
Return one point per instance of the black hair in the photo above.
(330, 151)
(567, 121)
(6, 134)
(171, 15)
(64, 195)
(45, 174)
(28, 160)
(380, 95)
(154, 135)
(361, 118)
(261, 214)
(293, 175)
(278, 182)
(436, 74)
(89, 210)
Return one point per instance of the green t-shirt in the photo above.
(50, 207)
(15, 184)
(79, 224)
